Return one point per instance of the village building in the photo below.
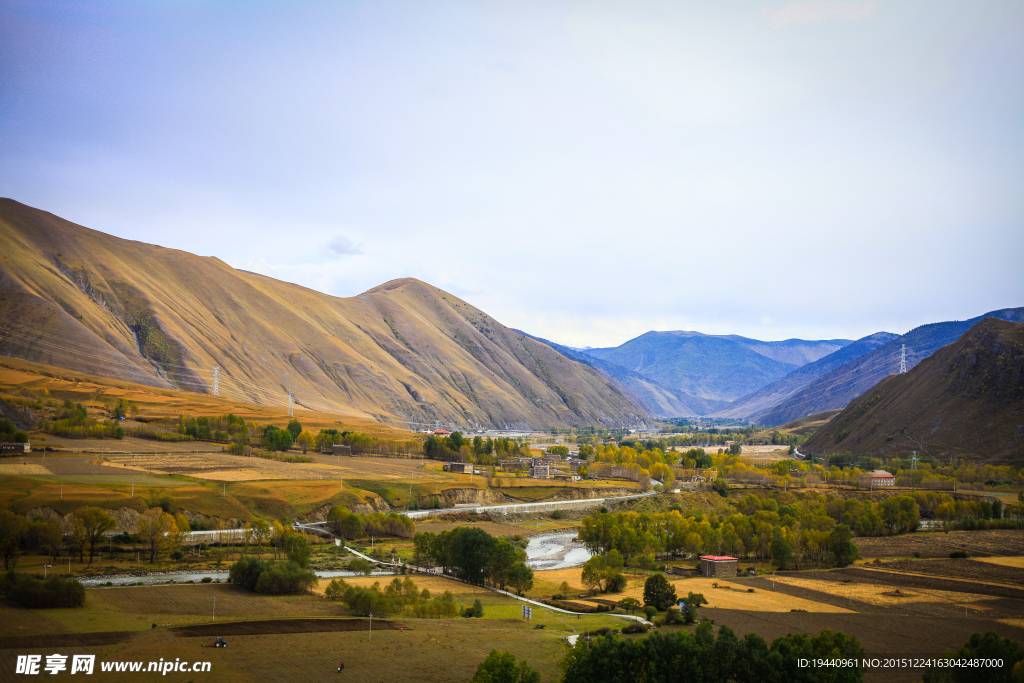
(15, 448)
(718, 566)
(457, 467)
(540, 471)
(442, 432)
(512, 466)
(341, 450)
(881, 478)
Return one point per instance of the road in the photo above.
(510, 508)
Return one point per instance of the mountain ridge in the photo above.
(403, 350)
(965, 400)
(836, 388)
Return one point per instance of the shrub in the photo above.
(28, 591)
(650, 611)
(958, 554)
(636, 627)
(206, 579)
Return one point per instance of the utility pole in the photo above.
(903, 359)
(215, 608)
(216, 381)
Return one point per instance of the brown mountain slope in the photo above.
(966, 400)
(77, 298)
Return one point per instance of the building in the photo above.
(882, 478)
(457, 467)
(718, 566)
(341, 450)
(540, 471)
(15, 448)
(512, 466)
(442, 432)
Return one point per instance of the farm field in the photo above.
(289, 638)
(939, 544)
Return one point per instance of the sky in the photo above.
(585, 172)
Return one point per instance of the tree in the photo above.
(478, 608)
(295, 427)
(304, 440)
(690, 604)
(260, 532)
(782, 551)
(96, 523)
(841, 545)
(502, 558)
(360, 565)
(658, 592)
(989, 646)
(593, 574)
(11, 528)
(629, 604)
(77, 539)
(500, 667)
(520, 577)
(156, 529)
(470, 550)
(297, 549)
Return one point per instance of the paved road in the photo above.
(526, 507)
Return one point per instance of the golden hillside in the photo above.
(81, 299)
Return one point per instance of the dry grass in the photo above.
(877, 594)
(435, 584)
(1003, 561)
(22, 469)
(546, 583)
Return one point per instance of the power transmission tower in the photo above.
(216, 381)
(291, 403)
(903, 359)
(913, 470)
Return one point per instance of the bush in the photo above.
(958, 554)
(271, 578)
(615, 583)
(557, 514)
(206, 579)
(178, 555)
(28, 591)
(650, 611)
(636, 627)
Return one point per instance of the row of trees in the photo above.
(398, 597)
(353, 525)
(71, 420)
(475, 556)
(701, 656)
(817, 531)
(485, 451)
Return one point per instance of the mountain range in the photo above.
(720, 368)
(965, 400)
(404, 351)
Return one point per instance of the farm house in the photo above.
(718, 566)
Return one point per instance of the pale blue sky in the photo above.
(583, 171)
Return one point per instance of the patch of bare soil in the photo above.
(934, 545)
(971, 570)
(275, 626)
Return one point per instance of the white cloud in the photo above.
(819, 12)
(339, 245)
